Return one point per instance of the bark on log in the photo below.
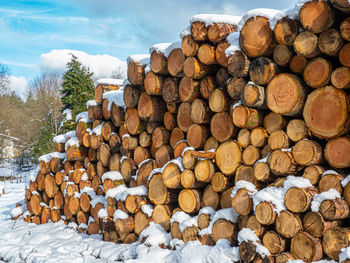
(151, 108)
(334, 209)
(103, 88)
(307, 152)
(330, 180)
(253, 96)
(235, 86)
(131, 96)
(218, 32)
(244, 117)
(262, 70)
(281, 163)
(199, 31)
(238, 64)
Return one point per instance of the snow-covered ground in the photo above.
(56, 242)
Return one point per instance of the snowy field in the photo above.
(56, 242)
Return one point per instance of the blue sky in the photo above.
(115, 27)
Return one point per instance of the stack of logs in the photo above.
(198, 122)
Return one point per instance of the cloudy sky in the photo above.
(38, 35)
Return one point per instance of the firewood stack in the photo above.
(238, 132)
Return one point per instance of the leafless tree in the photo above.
(119, 72)
(4, 79)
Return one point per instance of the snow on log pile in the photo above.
(240, 131)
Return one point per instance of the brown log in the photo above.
(127, 168)
(250, 44)
(285, 94)
(220, 182)
(153, 83)
(262, 172)
(307, 152)
(206, 54)
(253, 96)
(244, 117)
(306, 247)
(84, 202)
(192, 68)
(188, 160)
(297, 130)
(169, 120)
(317, 72)
(250, 155)
(342, 5)
(136, 73)
(203, 220)
(131, 96)
(262, 70)
(189, 46)
(330, 180)
(235, 86)
(133, 122)
(163, 155)
(345, 29)
(242, 202)
(188, 89)
(175, 230)
(297, 64)
(34, 202)
(141, 222)
(320, 108)
(189, 200)
(184, 116)
(103, 88)
(73, 205)
(190, 233)
(107, 129)
(55, 215)
(305, 44)
(313, 173)
(96, 140)
(171, 176)
(226, 199)
(254, 225)
(179, 148)
(157, 192)
(93, 228)
(247, 251)
(221, 127)
(337, 152)
(258, 137)
(207, 85)
(204, 170)
(151, 108)
(243, 138)
(265, 213)
(286, 30)
(210, 198)
(144, 171)
(145, 140)
(334, 240)
(51, 188)
(188, 180)
(223, 229)
(218, 32)
(282, 54)
(238, 64)
(316, 16)
(197, 135)
(274, 122)
(218, 100)
(228, 156)
(59, 147)
(284, 257)
(124, 226)
(101, 169)
(160, 137)
(56, 164)
(288, 224)
(316, 225)
(133, 203)
(220, 54)
(281, 163)
(171, 90)
(334, 209)
(211, 144)
(200, 113)
(98, 114)
(77, 175)
(44, 167)
(161, 215)
(96, 182)
(199, 31)
(330, 42)
(141, 154)
(115, 162)
(298, 200)
(159, 63)
(115, 143)
(340, 78)
(176, 61)
(104, 153)
(273, 242)
(176, 135)
(45, 216)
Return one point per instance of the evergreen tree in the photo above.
(77, 89)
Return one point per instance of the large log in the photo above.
(326, 112)
(221, 127)
(306, 247)
(305, 44)
(288, 224)
(176, 61)
(189, 200)
(317, 72)
(286, 30)
(238, 64)
(189, 46)
(103, 88)
(228, 156)
(151, 108)
(330, 42)
(298, 200)
(307, 152)
(337, 152)
(136, 73)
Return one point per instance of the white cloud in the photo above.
(19, 85)
(103, 66)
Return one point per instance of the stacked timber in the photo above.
(240, 131)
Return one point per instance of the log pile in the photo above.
(238, 132)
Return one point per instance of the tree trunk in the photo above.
(160, 137)
(226, 199)
(141, 221)
(334, 209)
(144, 171)
(281, 163)
(329, 181)
(265, 213)
(179, 148)
(151, 108)
(211, 144)
(188, 180)
(254, 225)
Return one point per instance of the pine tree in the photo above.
(77, 89)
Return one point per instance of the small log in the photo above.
(262, 70)
(247, 251)
(189, 46)
(313, 173)
(345, 29)
(258, 137)
(131, 95)
(95, 183)
(176, 61)
(188, 180)
(188, 160)
(340, 78)
(223, 229)
(189, 200)
(221, 77)
(286, 30)
(297, 130)
(250, 155)
(228, 157)
(288, 224)
(158, 193)
(140, 154)
(190, 233)
(307, 152)
(133, 123)
(73, 205)
(226, 199)
(161, 215)
(176, 135)
(163, 155)
(262, 172)
(159, 63)
(274, 122)
(235, 86)
(84, 202)
(45, 216)
(243, 138)
(176, 231)
(133, 203)
(254, 225)
(103, 88)
(124, 226)
(172, 107)
(141, 222)
(250, 44)
(316, 225)
(188, 89)
(127, 168)
(136, 73)
(330, 180)
(204, 170)
(169, 120)
(242, 202)
(218, 32)
(34, 202)
(244, 117)
(305, 44)
(203, 220)
(320, 108)
(316, 16)
(253, 96)
(199, 31)
(211, 144)
(206, 54)
(144, 171)
(96, 140)
(317, 72)
(153, 83)
(184, 116)
(221, 126)
(171, 176)
(207, 85)
(151, 108)
(306, 247)
(337, 152)
(334, 209)
(220, 54)
(194, 69)
(297, 64)
(330, 42)
(160, 137)
(282, 54)
(218, 100)
(281, 163)
(220, 182)
(51, 188)
(238, 64)
(197, 135)
(200, 113)
(298, 200)
(56, 164)
(210, 198)
(273, 242)
(265, 213)
(171, 90)
(179, 148)
(285, 94)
